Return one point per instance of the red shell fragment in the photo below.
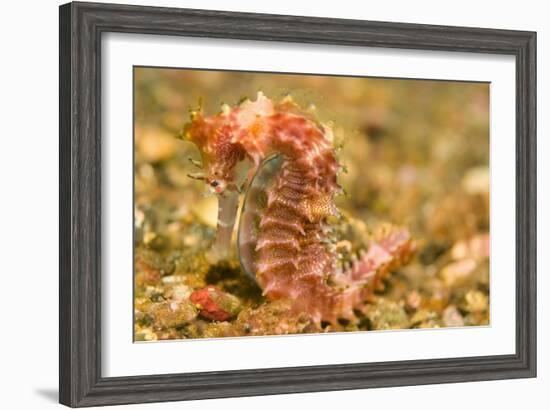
(214, 304)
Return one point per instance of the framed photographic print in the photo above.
(261, 204)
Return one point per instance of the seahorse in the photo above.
(284, 228)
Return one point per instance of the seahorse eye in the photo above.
(217, 186)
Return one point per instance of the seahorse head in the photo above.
(213, 137)
(229, 137)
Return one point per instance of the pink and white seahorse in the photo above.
(284, 224)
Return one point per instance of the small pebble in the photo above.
(452, 317)
(413, 300)
(456, 272)
(171, 314)
(475, 302)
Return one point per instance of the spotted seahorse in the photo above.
(285, 222)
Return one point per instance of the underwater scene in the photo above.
(274, 204)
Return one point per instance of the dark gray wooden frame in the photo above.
(81, 27)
